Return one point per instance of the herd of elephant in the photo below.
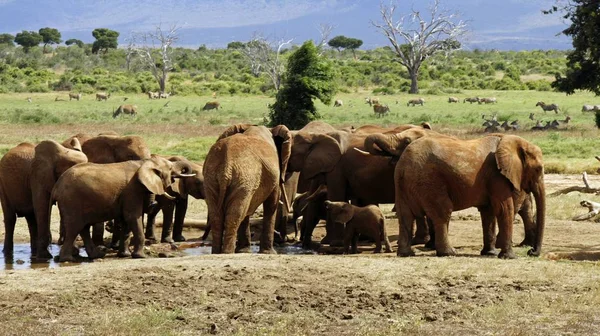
(426, 174)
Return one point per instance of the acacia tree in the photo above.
(28, 39)
(582, 62)
(308, 76)
(342, 42)
(105, 39)
(415, 38)
(50, 36)
(77, 42)
(265, 57)
(155, 51)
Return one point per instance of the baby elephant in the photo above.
(367, 220)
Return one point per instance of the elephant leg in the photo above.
(268, 228)
(33, 236)
(180, 211)
(206, 229)
(124, 238)
(237, 210)
(243, 236)
(439, 210)
(10, 220)
(355, 242)
(167, 229)
(405, 221)
(422, 232)
(90, 248)
(310, 219)
(150, 225)
(281, 223)
(526, 213)
(488, 224)
(98, 233)
(67, 248)
(42, 218)
(505, 215)
(61, 233)
(137, 228)
(347, 239)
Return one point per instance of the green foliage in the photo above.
(50, 36)
(342, 42)
(308, 77)
(7, 39)
(105, 39)
(28, 39)
(235, 45)
(77, 42)
(513, 73)
(582, 61)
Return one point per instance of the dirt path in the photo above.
(362, 294)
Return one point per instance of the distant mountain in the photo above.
(503, 25)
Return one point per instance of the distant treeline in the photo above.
(227, 71)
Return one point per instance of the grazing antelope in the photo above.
(372, 101)
(547, 107)
(452, 100)
(381, 110)
(211, 105)
(471, 100)
(125, 109)
(491, 100)
(74, 96)
(338, 103)
(414, 102)
(164, 95)
(587, 108)
(513, 126)
(102, 96)
(152, 95)
(531, 116)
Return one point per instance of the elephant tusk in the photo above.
(185, 175)
(362, 151)
(166, 194)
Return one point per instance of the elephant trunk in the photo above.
(381, 144)
(539, 193)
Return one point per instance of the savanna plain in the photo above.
(312, 293)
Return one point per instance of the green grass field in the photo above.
(183, 128)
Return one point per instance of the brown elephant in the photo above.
(368, 221)
(27, 175)
(437, 175)
(243, 169)
(349, 175)
(294, 183)
(181, 189)
(92, 193)
(83, 137)
(393, 145)
(301, 203)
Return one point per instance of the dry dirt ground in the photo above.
(314, 294)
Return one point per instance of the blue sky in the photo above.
(501, 24)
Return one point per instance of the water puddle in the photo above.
(22, 259)
(204, 249)
(22, 254)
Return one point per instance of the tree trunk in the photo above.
(162, 83)
(414, 81)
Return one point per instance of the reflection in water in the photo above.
(22, 255)
(289, 249)
(22, 258)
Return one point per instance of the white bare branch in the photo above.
(155, 51)
(325, 30)
(415, 37)
(264, 56)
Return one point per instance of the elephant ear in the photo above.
(235, 129)
(150, 176)
(516, 158)
(75, 144)
(322, 157)
(283, 141)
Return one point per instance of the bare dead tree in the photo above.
(325, 30)
(155, 51)
(130, 51)
(264, 56)
(415, 38)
